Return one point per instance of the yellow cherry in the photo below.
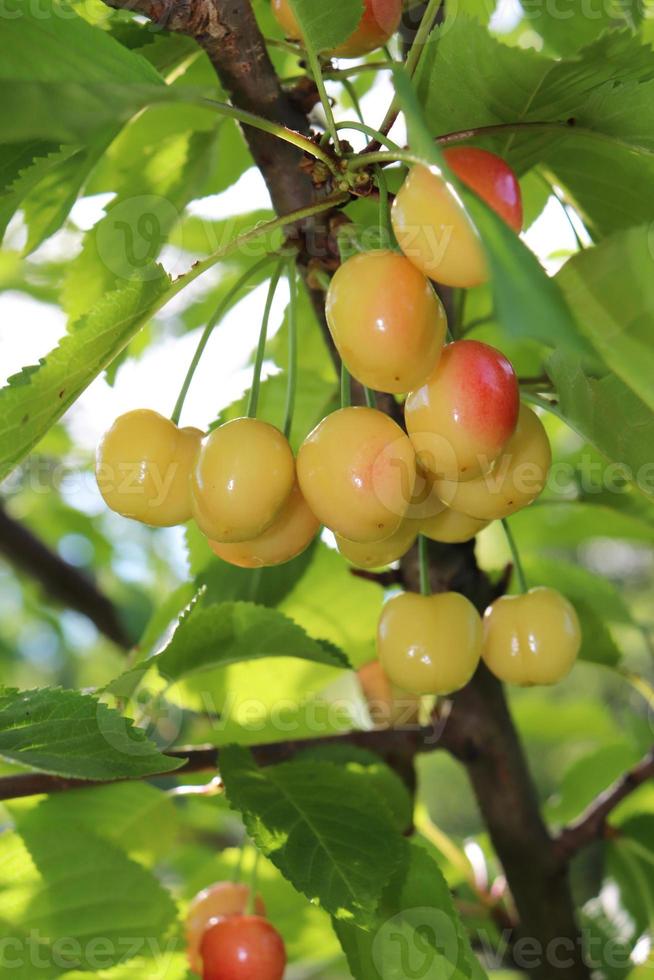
(461, 419)
(450, 527)
(376, 554)
(435, 233)
(389, 707)
(517, 478)
(142, 468)
(429, 644)
(533, 638)
(242, 478)
(387, 322)
(357, 471)
(288, 536)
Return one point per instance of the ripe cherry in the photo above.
(491, 178)
(242, 478)
(376, 554)
(388, 706)
(533, 638)
(357, 471)
(219, 901)
(386, 321)
(517, 478)
(143, 465)
(380, 20)
(450, 527)
(288, 536)
(430, 222)
(462, 418)
(429, 644)
(243, 948)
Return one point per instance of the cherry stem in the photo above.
(316, 71)
(252, 898)
(423, 555)
(253, 400)
(291, 388)
(517, 561)
(386, 237)
(354, 99)
(371, 400)
(221, 309)
(273, 129)
(346, 387)
(362, 127)
(412, 63)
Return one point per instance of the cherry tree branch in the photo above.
(398, 747)
(61, 581)
(591, 826)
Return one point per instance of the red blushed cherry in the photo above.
(462, 418)
(381, 18)
(243, 948)
(491, 178)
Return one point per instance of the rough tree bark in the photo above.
(480, 731)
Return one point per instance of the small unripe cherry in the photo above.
(461, 419)
(357, 471)
(387, 322)
(376, 554)
(491, 178)
(225, 898)
(288, 536)
(142, 468)
(450, 527)
(516, 479)
(434, 231)
(242, 478)
(380, 20)
(531, 639)
(388, 706)
(429, 644)
(243, 948)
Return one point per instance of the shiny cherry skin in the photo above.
(463, 417)
(288, 536)
(242, 478)
(357, 471)
(532, 639)
(429, 644)
(142, 468)
(517, 478)
(388, 706)
(376, 554)
(450, 527)
(381, 18)
(243, 948)
(434, 231)
(491, 178)
(219, 901)
(387, 322)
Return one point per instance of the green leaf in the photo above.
(325, 26)
(417, 931)
(615, 310)
(63, 79)
(33, 400)
(630, 862)
(233, 632)
(315, 823)
(568, 27)
(609, 415)
(600, 102)
(589, 776)
(85, 893)
(70, 734)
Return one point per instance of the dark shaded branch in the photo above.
(398, 747)
(61, 581)
(592, 825)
